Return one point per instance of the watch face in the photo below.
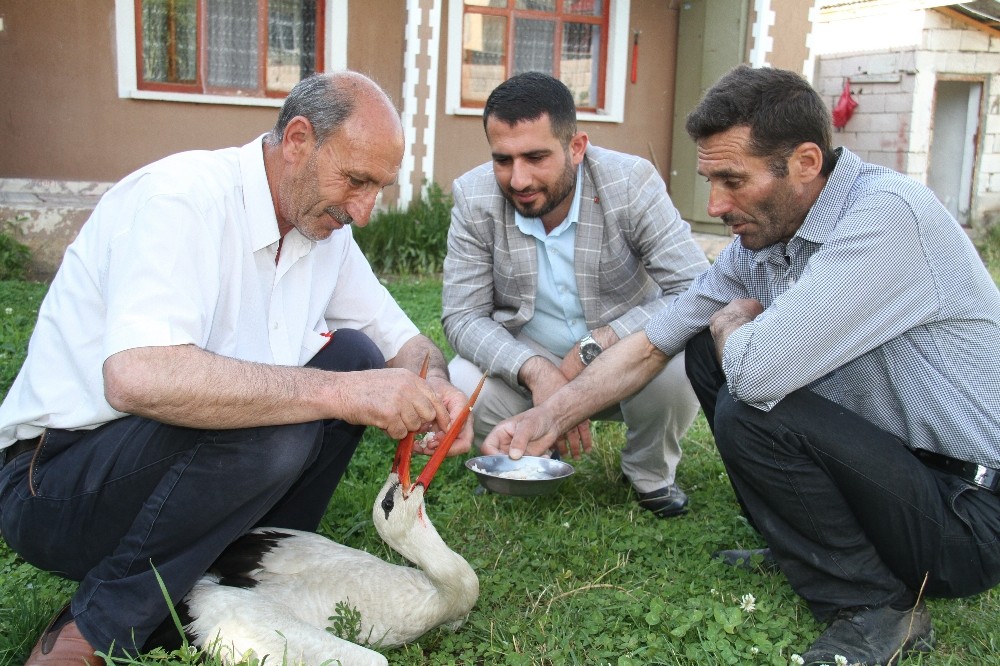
(589, 351)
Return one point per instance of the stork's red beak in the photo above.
(404, 452)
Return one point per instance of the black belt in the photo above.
(978, 475)
(19, 447)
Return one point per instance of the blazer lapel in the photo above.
(587, 253)
(524, 260)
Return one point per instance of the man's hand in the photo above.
(456, 403)
(448, 400)
(543, 378)
(533, 432)
(395, 400)
(730, 318)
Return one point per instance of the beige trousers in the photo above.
(656, 417)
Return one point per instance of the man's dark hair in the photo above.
(780, 107)
(326, 100)
(527, 96)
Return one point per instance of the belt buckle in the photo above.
(984, 477)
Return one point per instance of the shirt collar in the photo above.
(257, 200)
(825, 212)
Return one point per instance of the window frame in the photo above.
(613, 75)
(129, 39)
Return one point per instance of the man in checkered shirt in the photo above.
(843, 348)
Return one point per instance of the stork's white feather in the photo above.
(302, 578)
(234, 622)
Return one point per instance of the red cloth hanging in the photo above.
(844, 109)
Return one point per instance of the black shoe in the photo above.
(757, 559)
(666, 502)
(869, 636)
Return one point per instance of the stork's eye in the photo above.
(389, 501)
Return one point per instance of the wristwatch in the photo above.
(589, 349)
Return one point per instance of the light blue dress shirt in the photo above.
(558, 320)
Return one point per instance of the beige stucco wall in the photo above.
(461, 144)
(67, 134)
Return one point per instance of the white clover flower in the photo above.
(713, 591)
(840, 660)
(566, 525)
(748, 603)
(9, 311)
(797, 660)
(754, 650)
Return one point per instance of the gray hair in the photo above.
(326, 101)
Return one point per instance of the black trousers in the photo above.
(851, 516)
(110, 501)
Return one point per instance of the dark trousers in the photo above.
(851, 516)
(108, 502)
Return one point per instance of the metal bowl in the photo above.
(524, 477)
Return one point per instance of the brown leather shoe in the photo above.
(62, 644)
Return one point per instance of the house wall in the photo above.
(646, 131)
(893, 124)
(67, 135)
(61, 116)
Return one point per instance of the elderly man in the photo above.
(557, 249)
(206, 361)
(844, 351)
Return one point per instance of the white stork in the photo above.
(276, 589)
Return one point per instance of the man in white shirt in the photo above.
(206, 360)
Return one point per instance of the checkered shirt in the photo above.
(879, 302)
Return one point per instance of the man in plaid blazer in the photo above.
(557, 249)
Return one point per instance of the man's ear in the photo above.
(806, 162)
(578, 146)
(298, 140)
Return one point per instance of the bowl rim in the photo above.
(482, 472)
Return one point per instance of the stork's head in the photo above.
(398, 489)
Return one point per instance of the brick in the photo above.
(988, 63)
(959, 63)
(942, 39)
(898, 102)
(975, 40)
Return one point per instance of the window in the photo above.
(234, 47)
(580, 42)
(226, 51)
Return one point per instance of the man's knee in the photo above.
(270, 456)
(348, 350)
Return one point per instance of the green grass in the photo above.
(579, 577)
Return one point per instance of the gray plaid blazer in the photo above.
(633, 255)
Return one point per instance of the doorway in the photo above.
(953, 145)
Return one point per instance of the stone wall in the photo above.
(47, 215)
(893, 124)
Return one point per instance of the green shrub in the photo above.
(15, 256)
(989, 249)
(411, 241)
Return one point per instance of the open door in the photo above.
(953, 145)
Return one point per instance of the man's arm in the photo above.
(619, 372)
(730, 318)
(470, 298)
(660, 239)
(187, 386)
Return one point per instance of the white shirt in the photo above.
(183, 252)
(558, 321)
